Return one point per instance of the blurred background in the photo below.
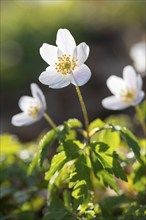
(110, 28)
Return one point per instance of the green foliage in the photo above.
(21, 196)
(82, 175)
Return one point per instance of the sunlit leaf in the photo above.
(45, 144)
(74, 123)
(56, 164)
(9, 144)
(96, 124)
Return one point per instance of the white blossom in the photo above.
(32, 107)
(66, 62)
(138, 55)
(126, 92)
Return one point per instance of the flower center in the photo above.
(66, 64)
(128, 95)
(33, 110)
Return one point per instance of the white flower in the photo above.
(127, 91)
(32, 107)
(66, 62)
(138, 55)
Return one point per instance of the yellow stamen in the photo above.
(128, 95)
(66, 64)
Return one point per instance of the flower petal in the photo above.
(113, 103)
(49, 53)
(139, 98)
(81, 75)
(115, 84)
(38, 94)
(138, 54)
(82, 53)
(65, 41)
(25, 102)
(50, 76)
(139, 82)
(66, 80)
(22, 119)
(129, 75)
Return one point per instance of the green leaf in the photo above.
(62, 132)
(96, 124)
(56, 164)
(132, 142)
(142, 113)
(103, 154)
(74, 123)
(112, 203)
(34, 163)
(45, 144)
(73, 148)
(110, 137)
(108, 179)
(117, 169)
(105, 159)
(80, 179)
(9, 145)
(57, 211)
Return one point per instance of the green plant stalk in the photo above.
(49, 120)
(84, 110)
(138, 111)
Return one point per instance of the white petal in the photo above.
(138, 54)
(22, 119)
(50, 76)
(65, 41)
(129, 75)
(139, 82)
(25, 102)
(49, 53)
(82, 53)
(113, 103)
(66, 80)
(38, 94)
(139, 98)
(81, 75)
(115, 84)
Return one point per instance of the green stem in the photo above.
(138, 111)
(83, 107)
(49, 120)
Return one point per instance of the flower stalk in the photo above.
(49, 120)
(139, 114)
(84, 110)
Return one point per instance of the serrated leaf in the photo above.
(117, 169)
(108, 179)
(80, 179)
(132, 142)
(103, 154)
(73, 148)
(105, 158)
(64, 174)
(56, 164)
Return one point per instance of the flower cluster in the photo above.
(66, 66)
